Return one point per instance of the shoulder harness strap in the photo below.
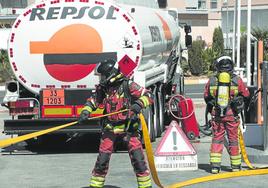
(126, 90)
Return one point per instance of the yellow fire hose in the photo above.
(7, 142)
(150, 155)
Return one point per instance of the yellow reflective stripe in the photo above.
(215, 154)
(97, 181)
(144, 183)
(238, 162)
(215, 157)
(108, 126)
(135, 125)
(97, 178)
(94, 183)
(87, 108)
(145, 101)
(116, 131)
(144, 178)
(235, 88)
(215, 160)
(57, 111)
(212, 89)
(119, 126)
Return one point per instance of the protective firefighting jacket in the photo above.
(118, 97)
(237, 88)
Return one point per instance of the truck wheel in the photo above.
(148, 115)
(155, 107)
(191, 135)
(161, 109)
(182, 84)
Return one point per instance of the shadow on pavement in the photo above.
(61, 143)
(207, 168)
(106, 186)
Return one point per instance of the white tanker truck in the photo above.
(55, 45)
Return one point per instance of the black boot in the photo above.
(215, 170)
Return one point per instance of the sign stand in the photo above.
(175, 152)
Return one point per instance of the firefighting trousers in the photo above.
(136, 156)
(219, 129)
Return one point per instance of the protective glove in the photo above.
(83, 116)
(136, 108)
(238, 105)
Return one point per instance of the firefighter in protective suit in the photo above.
(225, 94)
(115, 92)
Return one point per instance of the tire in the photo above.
(191, 135)
(182, 84)
(155, 107)
(148, 115)
(161, 109)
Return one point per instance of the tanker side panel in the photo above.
(55, 68)
(77, 36)
(159, 34)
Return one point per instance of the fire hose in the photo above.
(150, 155)
(10, 141)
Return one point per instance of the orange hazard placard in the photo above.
(53, 97)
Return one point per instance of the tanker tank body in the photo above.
(55, 45)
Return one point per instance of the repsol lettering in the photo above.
(52, 13)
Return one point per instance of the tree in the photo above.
(218, 41)
(195, 57)
(259, 33)
(208, 56)
(262, 34)
(5, 70)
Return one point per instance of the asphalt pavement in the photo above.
(70, 167)
(194, 91)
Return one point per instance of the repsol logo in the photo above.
(53, 13)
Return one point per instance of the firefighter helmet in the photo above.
(106, 67)
(224, 64)
(108, 71)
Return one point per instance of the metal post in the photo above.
(249, 43)
(255, 63)
(264, 101)
(259, 101)
(234, 31)
(238, 33)
(227, 25)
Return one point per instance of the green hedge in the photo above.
(6, 73)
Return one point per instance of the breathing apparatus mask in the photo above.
(224, 64)
(109, 74)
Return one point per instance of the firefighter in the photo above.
(225, 94)
(115, 92)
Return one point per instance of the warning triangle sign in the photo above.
(174, 142)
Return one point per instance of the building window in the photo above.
(213, 4)
(202, 4)
(13, 3)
